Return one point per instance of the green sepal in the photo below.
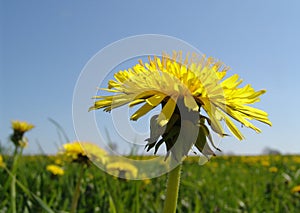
(201, 142)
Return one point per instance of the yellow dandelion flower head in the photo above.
(122, 169)
(194, 87)
(84, 151)
(73, 149)
(2, 164)
(55, 170)
(273, 169)
(265, 163)
(21, 126)
(146, 181)
(58, 161)
(296, 159)
(296, 189)
(95, 153)
(145, 178)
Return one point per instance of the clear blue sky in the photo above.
(45, 44)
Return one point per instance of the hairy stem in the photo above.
(172, 190)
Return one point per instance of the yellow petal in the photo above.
(156, 99)
(167, 111)
(211, 112)
(239, 117)
(232, 127)
(136, 102)
(141, 111)
(232, 82)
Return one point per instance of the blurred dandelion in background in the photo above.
(19, 129)
(273, 169)
(55, 170)
(121, 169)
(296, 189)
(2, 164)
(83, 152)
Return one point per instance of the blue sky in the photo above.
(46, 44)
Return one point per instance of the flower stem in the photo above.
(172, 190)
(13, 194)
(13, 180)
(77, 191)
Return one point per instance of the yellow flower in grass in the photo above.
(296, 189)
(265, 163)
(296, 159)
(55, 170)
(122, 170)
(73, 150)
(84, 152)
(58, 161)
(195, 86)
(146, 180)
(2, 164)
(273, 169)
(21, 126)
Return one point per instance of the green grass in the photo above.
(225, 184)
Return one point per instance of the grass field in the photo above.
(225, 184)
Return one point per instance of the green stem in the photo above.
(15, 151)
(172, 190)
(77, 190)
(13, 180)
(13, 194)
(137, 196)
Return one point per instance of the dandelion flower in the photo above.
(145, 179)
(296, 159)
(193, 85)
(2, 164)
(55, 170)
(82, 151)
(73, 150)
(296, 189)
(21, 126)
(265, 163)
(273, 169)
(58, 161)
(122, 170)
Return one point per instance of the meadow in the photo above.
(224, 184)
